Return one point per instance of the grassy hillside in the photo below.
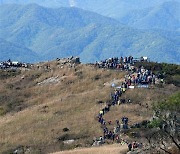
(35, 110)
(115, 149)
(64, 32)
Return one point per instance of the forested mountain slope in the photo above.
(62, 32)
(16, 52)
(164, 16)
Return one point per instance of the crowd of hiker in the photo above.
(12, 64)
(140, 76)
(134, 77)
(122, 63)
(116, 63)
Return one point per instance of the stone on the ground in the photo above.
(69, 141)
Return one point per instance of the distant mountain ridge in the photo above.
(111, 8)
(165, 16)
(141, 14)
(63, 32)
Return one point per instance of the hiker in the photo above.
(113, 103)
(114, 130)
(123, 101)
(101, 120)
(100, 115)
(117, 122)
(140, 145)
(107, 109)
(115, 97)
(113, 136)
(121, 126)
(129, 146)
(109, 134)
(109, 122)
(129, 100)
(101, 139)
(124, 120)
(101, 112)
(118, 128)
(125, 126)
(134, 145)
(117, 138)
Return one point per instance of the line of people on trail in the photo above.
(115, 100)
(123, 125)
(112, 134)
(135, 76)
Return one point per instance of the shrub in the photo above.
(155, 123)
(2, 111)
(171, 104)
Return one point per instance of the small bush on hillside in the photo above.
(97, 77)
(155, 123)
(171, 104)
(65, 129)
(10, 86)
(2, 111)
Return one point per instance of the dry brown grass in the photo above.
(71, 103)
(44, 110)
(115, 149)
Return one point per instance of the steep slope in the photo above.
(64, 32)
(16, 52)
(165, 16)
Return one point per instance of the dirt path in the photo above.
(108, 149)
